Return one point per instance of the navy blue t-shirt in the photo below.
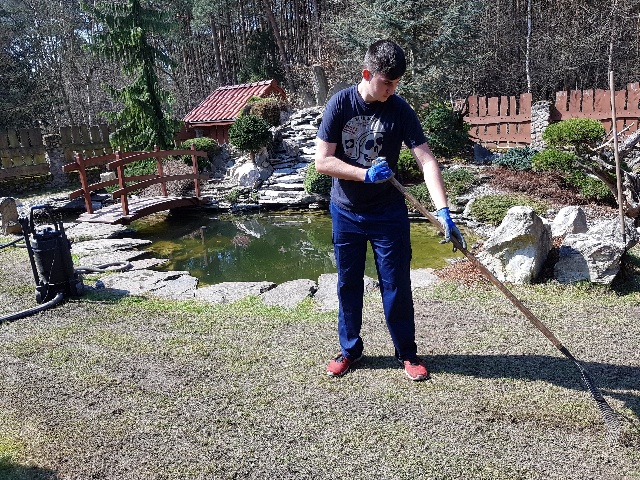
(362, 132)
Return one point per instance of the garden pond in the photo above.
(272, 246)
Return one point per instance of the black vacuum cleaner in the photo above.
(50, 256)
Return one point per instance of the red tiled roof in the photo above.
(225, 103)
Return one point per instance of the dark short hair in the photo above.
(386, 58)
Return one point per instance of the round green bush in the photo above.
(269, 109)
(552, 160)
(421, 193)
(493, 208)
(456, 182)
(249, 133)
(408, 170)
(206, 144)
(315, 182)
(577, 132)
(518, 158)
(592, 188)
(448, 134)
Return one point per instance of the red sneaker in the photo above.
(340, 365)
(415, 369)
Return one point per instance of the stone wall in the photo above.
(540, 119)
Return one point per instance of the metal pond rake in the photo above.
(609, 416)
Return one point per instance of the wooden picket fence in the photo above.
(502, 122)
(596, 104)
(23, 151)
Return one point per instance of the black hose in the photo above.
(30, 311)
(11, 243)
(122, 266)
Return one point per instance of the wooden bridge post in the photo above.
(194, 162)
(123, 198)
(163, 185)
(82, 172)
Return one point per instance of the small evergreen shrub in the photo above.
(456, 182)
(590, 187)
(233, 196)
(493, 208)
(269, 109)
(552, 160)
(448, 134)
(518, 158)
(421, 193)
(408, 170)
(249, 133)
(315, 182)
(206, 144)
(577, 132)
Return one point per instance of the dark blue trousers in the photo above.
(388, 232)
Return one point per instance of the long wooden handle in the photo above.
(484, 270)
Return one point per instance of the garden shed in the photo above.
(216, 113)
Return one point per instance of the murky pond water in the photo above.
(272, 246)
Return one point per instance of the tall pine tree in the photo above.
(436, 37)
(125, 34)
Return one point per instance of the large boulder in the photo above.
(9, 217)
(518, 248)
(569, 220)
(251, 174)
(594, 255)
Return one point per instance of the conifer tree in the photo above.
(435, 36)
(125, 36)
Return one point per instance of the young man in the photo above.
(360, 124)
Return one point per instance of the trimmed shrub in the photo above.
(493, 208)
(421, 193)
(268, 109)
(408, 170)
(518, 158)
(577, 132)
(315, 182)
(206, 144)
(456, 182)
(448, 134)
(552, 160)
(249, 133)
(592, 188)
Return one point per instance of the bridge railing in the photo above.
(117, 161)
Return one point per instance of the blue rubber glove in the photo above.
(449, 228)
(378, 172)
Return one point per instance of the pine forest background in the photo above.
(48, 76)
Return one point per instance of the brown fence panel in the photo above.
(22, 153)
(500, 121)
(596, 104)
(91, 141)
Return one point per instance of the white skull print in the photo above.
(362, 139)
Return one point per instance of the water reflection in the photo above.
(274, 247)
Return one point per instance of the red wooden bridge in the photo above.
(129, 209)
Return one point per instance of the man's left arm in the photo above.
(435, 184)
(432, 175)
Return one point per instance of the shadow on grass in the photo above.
(12, 471)
(616, 381)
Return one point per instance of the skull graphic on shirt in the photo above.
(362, 139)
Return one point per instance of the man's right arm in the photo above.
(328, 164)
